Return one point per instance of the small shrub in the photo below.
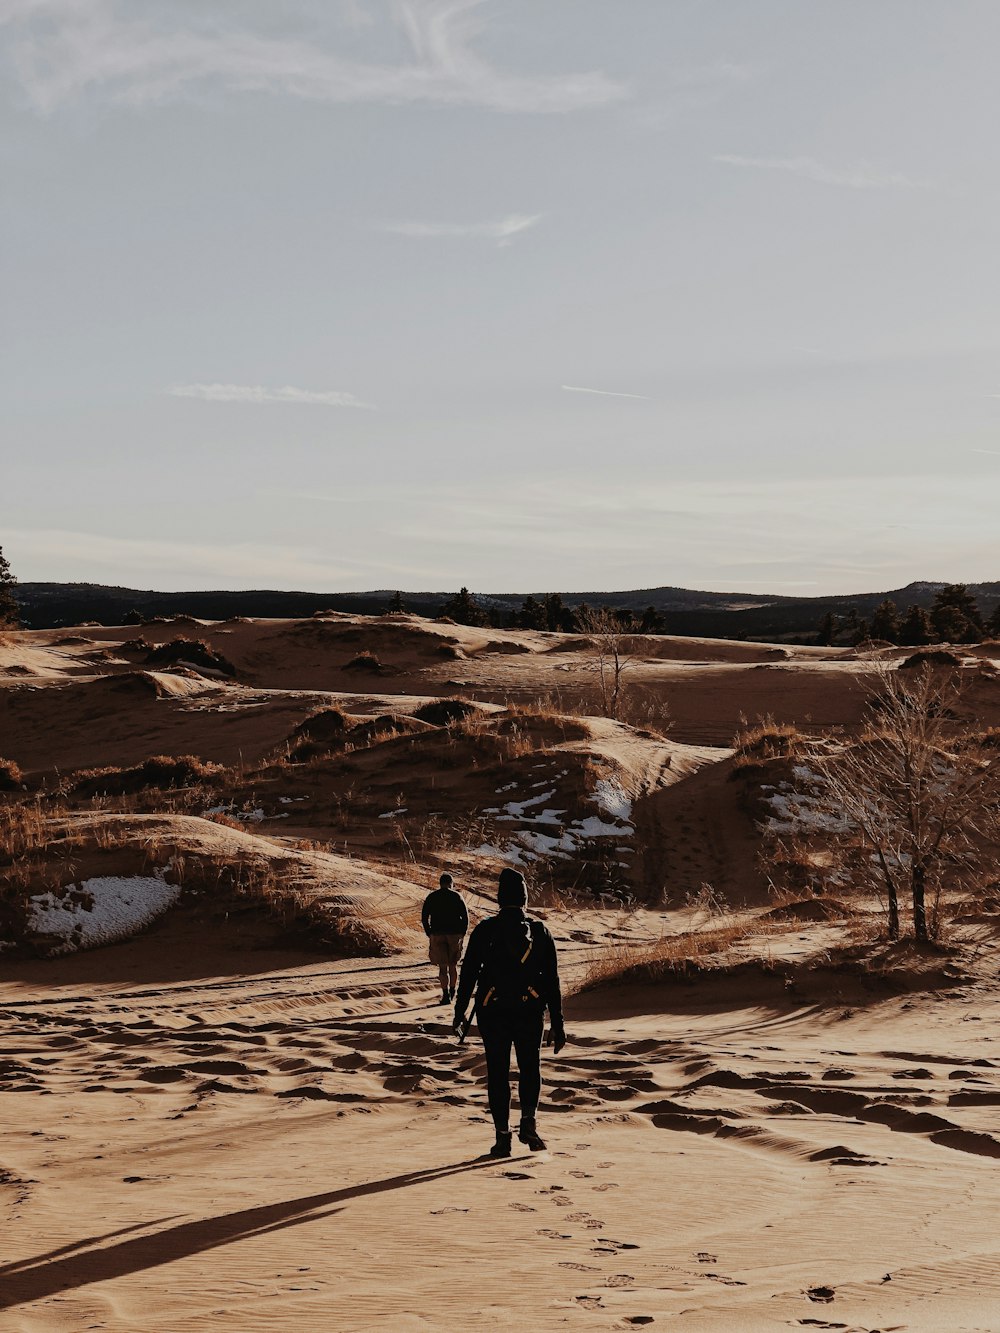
(11, 777)
(364, 662)
(931, 657)
(763, 741)
(444, 711)
(196, 651)
(161, 771)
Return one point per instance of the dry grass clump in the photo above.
(931, 657)
(318, 734)
(637, 964)
(161, 771)
(11, 777)
(197, 652)
(365, 662)
(758, 744)
(442, 712)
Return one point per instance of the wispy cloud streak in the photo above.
(257, 393)
(604, 393)
(852, 178)
(501, 231)
(62, 50)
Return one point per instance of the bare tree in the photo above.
(914, 800)
(613, 659)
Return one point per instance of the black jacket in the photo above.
(502, 935)
(445, 913)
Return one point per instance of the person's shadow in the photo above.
(86, 1261)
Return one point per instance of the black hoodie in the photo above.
(507, 935)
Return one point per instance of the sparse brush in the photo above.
(196, 652)
(628, 963)
(160, 771)
(708, 899)
(763, 740)
(364, 662)
(11, 777)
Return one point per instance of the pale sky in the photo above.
(518, 294)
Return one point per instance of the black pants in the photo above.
(500, 1030)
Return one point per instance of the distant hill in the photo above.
(686, 611)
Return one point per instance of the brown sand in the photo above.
(203, 1131)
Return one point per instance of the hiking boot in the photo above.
(445, 997)
(502, 1146)
(528, 1134)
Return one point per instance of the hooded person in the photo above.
(512, 970)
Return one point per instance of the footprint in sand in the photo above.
(579, 1268)
(821, 1294)
(704, 1257)
(520, 1207)
(620, 1280)
(553, 1235)
(609, 1185)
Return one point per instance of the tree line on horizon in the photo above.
(548, 613)
(954, 617)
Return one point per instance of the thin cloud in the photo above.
(852, 178)
(257, 393)
(501, 231)
(993, 453)
(62, 50)
(604, 393)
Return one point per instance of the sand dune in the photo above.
(244, 1118)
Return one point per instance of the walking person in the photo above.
(511, 967)
(446, 919)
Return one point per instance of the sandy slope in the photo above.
(300, 1148)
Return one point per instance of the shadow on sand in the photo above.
(86, 1261)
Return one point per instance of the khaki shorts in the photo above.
(445, 949)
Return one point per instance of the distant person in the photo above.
(446, 919)
(511, 966)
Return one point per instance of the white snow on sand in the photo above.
(100, 911)
(612, 799)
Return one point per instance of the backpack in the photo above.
(513, 972)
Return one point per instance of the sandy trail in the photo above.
(300, 1148)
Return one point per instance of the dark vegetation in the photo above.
(919, 613)
(10, 611)
(195, 652)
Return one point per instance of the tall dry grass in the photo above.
(623, 963)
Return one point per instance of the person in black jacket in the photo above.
(446, 919)
(512, 968)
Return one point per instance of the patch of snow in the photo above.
(291, 800)
(515, 809)
(612, 799)
(100, 911)
(542, 845)
(511, 786)
(595, 827)
(515, 856)
(392, 814)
